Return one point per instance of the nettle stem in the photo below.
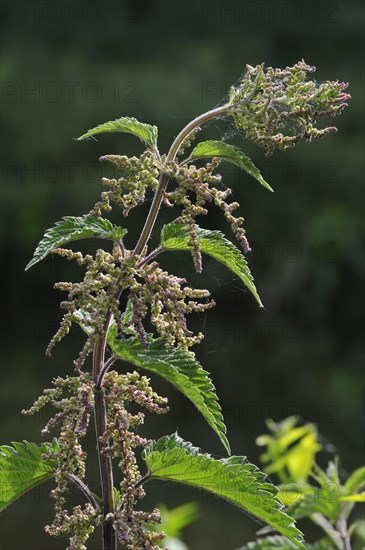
(164, 178)
(85, 489)
(322, 521)
(343, 531)
(99, 365)
(105, 461)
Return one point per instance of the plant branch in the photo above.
(105, 462)
(330, 531)
(85, 489)
(150, 256)
(185, 161)
(164, 178)
(103, 371)
(143, 480)
(342, 529)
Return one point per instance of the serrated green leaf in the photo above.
(229, 152)
(213, 243)
(72, 228)
(130, 125)
(178, 367)
(23, 466)
(233, 479)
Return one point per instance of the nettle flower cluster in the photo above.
(136, 175)
(119, 442)
(279, 107)
(73, 398)
(275, 108)
(163, 298)
(204, 186)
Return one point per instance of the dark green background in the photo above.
(68, 66)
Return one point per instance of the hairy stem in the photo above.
(85, 489)
(150, 256)
(164, 178)
(103, 371)
(143, 480)
(105, 462)
(342, 529)
(331, 532)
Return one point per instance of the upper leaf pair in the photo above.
(205, 149)
(213, 243)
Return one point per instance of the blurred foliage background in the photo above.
(67, 66)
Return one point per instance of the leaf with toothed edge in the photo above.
(72, 228)
(180, 368)
(213, 243)
(130, 125)
(23, 466)
(170, 458)
(228, 152)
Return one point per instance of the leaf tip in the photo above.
(265, 184)
(85, 136)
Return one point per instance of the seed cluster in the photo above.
(197, 187)
(154, 292)
(90, 300)
(81, 522)
(120, 441)
(280, 107)
(168, 300)
(129, 190)
(73, 399)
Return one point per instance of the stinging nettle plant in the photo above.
(276, 109)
